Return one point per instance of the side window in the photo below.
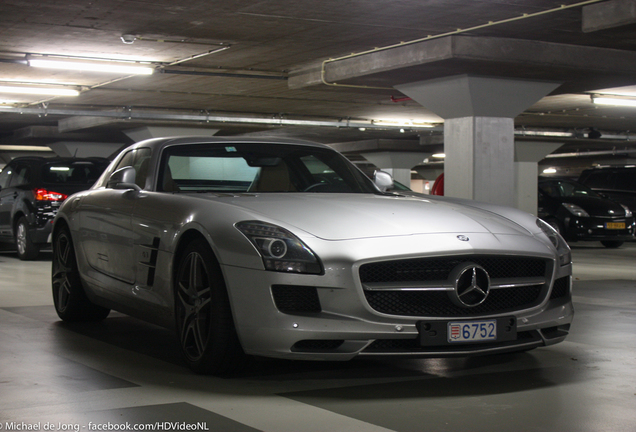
(21, 175)
(600, 180)
(125, 161)
(4, 177)
(139, 159)
(626, 180)
(548, 189)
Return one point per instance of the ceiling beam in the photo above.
(580, 68)
(609, 14)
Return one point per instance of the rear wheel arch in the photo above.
(69, 296)
(16, 218)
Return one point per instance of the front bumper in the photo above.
(329, 317)
(596, 229)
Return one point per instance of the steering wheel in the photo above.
(315, 186)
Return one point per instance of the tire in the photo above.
(27, 250)
(205, 328)
(69, 298)
(612, 244)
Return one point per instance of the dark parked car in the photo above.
(31, 191)
(618, 183)
(579, 213)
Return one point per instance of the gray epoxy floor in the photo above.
(123, 372)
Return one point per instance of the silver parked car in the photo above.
(285, 249)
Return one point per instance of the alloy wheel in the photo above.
(21, 239)
(194, 303)
(61, 271)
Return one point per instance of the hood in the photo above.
(597, 206)
(353, 216)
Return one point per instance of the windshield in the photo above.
(236, 167)
(567, 189)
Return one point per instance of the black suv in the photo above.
(31, 191)
(618, 183)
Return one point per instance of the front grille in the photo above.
(430, 269)
(438, 303)
(296, 299)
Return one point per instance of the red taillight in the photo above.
(47, 195)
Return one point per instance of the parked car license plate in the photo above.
(469, 331)
(615, 225)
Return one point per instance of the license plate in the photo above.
(472, 331)
(615, 225)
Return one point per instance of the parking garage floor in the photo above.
(123, 373)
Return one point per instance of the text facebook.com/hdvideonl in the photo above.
(103, 427)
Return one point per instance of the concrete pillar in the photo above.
(479, 117)
(527, 156)
(398, 164)
(479, 159)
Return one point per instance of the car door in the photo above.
(106, 226)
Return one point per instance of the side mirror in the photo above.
(383, 180)
(123, 178)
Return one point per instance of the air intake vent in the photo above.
(293, 299)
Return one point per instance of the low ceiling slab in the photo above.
(579, 68)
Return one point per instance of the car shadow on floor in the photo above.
(494, 374)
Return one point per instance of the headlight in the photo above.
(628, 212)
(281, 250)
(565, 255)
(576, 210)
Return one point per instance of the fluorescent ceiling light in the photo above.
(124, 68)
(439, 155)
(549, 171)
(614, 101)
(39, 91)
(402, 123)
(24, 148)
(544, 133)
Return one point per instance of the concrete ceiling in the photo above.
(255, 66)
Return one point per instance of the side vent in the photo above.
(148, 259)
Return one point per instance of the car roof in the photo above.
(159, 143)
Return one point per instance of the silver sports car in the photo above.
(286, 249)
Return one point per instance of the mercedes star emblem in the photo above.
(471, 285)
